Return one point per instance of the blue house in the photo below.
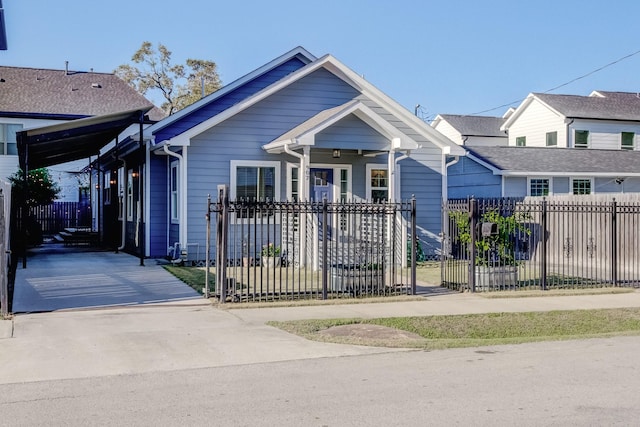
(297, 128)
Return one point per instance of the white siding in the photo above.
(604, 135)
(486, 141)
(534, 123)
(449, 131)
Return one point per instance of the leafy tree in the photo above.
(42, 189)
(180, 85)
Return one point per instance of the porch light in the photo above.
(336, 153)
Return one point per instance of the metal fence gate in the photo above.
(291, 250)
(548, 243)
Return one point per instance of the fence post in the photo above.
(414, 244)
(473, 225)
(543, 272)
(221, 239)
(325, 272)
(614, 242)
(4, 288)
(207, 261)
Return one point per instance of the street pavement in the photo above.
(176, 331)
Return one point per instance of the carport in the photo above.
(70, 279)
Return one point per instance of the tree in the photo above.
(180, 85)
(42, 190)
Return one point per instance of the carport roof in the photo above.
(77, 139)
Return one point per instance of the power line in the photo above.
(563, 84)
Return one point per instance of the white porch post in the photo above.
(391, 165)
(304, 168)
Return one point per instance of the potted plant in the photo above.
(270, 255)
(496, 266)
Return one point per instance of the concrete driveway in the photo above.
(67, 279)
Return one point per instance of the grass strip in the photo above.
(472, 330)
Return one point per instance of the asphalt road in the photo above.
(587, 382)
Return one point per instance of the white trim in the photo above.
(548, 178)
(129, 203)
(582, 147)
(174, 203)
(382, 166)
(591, 180)
(234, 164)
(184, 192)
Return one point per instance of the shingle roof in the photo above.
(571, 160)
(37, 91)
(612, 106)
(476, 125)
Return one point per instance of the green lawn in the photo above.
(438, 332)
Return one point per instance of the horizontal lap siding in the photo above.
(468, 178)
(351, 133)
(158, 210)
(534, 123)
(605, 135)
(229, 99)
(242, 136)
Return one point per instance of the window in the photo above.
(581, 186)
(539, 187)
(581, 139)
(8, 140)
(627, 140)
(255, 180)
(378, 184)
(521, 141)
(130, 195)
(120, 193)
(106, 185)
(295, 180)
(173, 186)
(552, 139)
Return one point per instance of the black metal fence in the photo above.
(293, 250)
(540, 244)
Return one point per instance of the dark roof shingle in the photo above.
(476, 125)
(612, 106)
(37, 91)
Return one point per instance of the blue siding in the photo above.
(158, 209)
(561, 185)
(515, 186)
(468, 178)
(351, 133)
(229, 99)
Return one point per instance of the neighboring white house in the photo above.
(602, 120)
(36, 97)
(472, 131)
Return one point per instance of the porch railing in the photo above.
(541, 243)
(272, 250)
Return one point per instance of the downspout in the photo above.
(445, 173)
(397, 160)
(569, 123)
(182, 218)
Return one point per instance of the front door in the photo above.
(321, 188)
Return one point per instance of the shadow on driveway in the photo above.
(59, 278)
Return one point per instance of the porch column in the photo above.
(391, 166)
(304, 168)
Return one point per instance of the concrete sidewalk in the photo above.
(194, 334)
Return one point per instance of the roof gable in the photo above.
(38, 92)
(474, 125)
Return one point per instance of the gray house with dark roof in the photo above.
(36, 97)
(471, 130)
(541, 171)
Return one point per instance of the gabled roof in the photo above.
(299, 52)
(474, 125)
(543, 161)
(303, 133)
(65, 95)
(599, 106)
(401, 115)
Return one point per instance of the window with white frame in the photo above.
(581, 139)
(628, 141)
(539, 187)
(8, 139)
(552, 139)
(377, 183)
(174, 196)
(130, 195)
(255, 180)
(106, 187)
(581, 186)
(521, 141)
(121, 183)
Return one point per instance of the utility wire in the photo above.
(562, 85)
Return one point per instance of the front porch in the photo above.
(290, 250)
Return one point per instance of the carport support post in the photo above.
(141, 236)
(25, 206)
(473, 221)
(221, 239)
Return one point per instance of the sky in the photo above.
(452, 56)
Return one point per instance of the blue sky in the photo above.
(459, 57)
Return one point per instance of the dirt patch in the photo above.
(361, 331)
